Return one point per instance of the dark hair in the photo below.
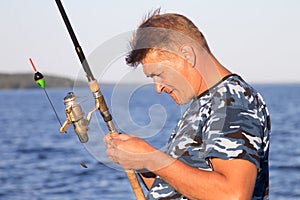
(162, 32)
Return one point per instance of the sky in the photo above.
(258, 39)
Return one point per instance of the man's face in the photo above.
(172, 76)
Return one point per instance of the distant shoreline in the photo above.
(26, 81)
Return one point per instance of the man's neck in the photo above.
(212, 73)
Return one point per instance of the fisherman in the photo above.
(219, 148)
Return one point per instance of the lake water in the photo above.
(38, 162)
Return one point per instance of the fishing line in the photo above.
(52, 107)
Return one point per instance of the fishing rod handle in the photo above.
(135, 185)
(100, 103)
(131, 175)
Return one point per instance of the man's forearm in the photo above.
(201, 184)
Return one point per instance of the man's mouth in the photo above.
(171, 93)
(168, 91)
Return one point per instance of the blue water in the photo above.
(38, 162)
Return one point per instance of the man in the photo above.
(219, 149)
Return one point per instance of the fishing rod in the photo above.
(74, 112)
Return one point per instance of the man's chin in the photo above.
(177, 100)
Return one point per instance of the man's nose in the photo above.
(158, 87)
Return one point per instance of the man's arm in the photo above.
(230, 179)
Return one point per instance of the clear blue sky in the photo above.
(258, 39)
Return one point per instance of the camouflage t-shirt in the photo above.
(228, 121)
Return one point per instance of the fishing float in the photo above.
(40, 81)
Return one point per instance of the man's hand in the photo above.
(129, 151)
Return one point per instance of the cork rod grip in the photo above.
(135, 185)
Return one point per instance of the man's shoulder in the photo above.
(233, 91)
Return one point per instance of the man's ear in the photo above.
(189, 54)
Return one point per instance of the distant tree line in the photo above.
(22, 81)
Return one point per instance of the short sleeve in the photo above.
(233, 129)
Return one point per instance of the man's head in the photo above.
(165, 45)
(163, 32)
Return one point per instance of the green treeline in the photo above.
(22, 81)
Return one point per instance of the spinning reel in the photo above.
(75, 116)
